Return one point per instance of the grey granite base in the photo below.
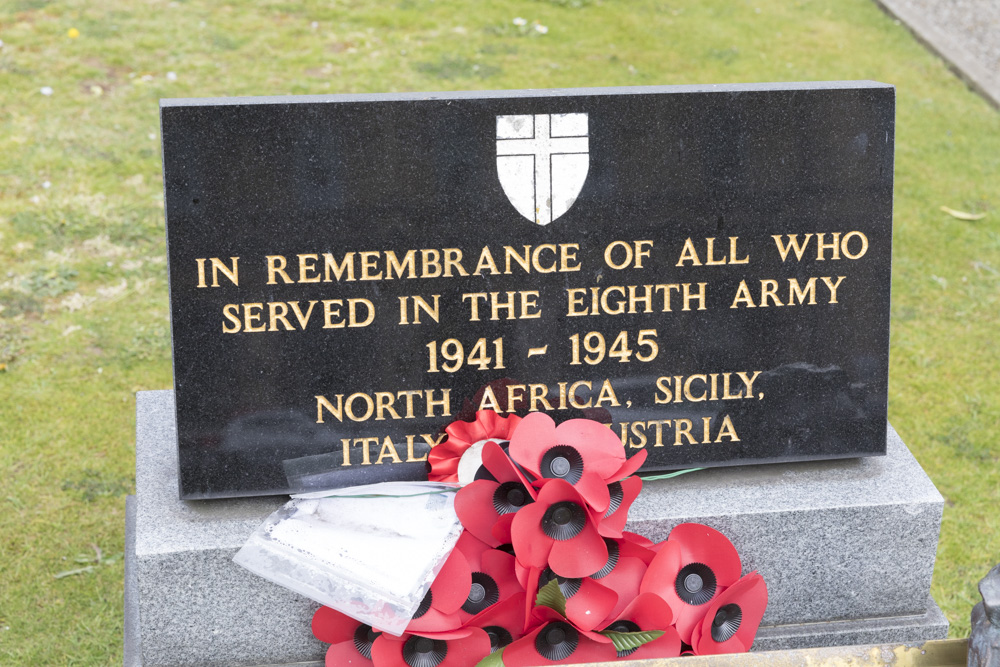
(846, 548)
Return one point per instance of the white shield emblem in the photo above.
(542, 162)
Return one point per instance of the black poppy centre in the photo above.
(425, 604)
(562, 462)
(557, 641)
(483, 593)
(424, 652)
(364, 637)
(612, 562)
(695, 583)
(564, 520)
(726, 622)
(510, 497)
(499, 637)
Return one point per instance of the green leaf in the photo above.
(626, 641)
(551, 596)
(494, 659)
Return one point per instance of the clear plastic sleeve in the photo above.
(370, 552)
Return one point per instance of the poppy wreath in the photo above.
(545, 572)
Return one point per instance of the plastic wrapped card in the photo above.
(370, 552)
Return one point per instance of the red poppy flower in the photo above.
(559, 530)
(458, 458)
(503, 622)
(631, 465)
(588, 603)
(581, 452)
(350, 640)
(648, 548)
(648, 612)
(493, 582)
(621, 494)
(622, 573)
(483, 503)
(692, 568)
(731, 621)
(556, 643)
(438, 612)
(456, 649)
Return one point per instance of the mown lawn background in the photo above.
(84, 319)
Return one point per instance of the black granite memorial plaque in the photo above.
(704, 268)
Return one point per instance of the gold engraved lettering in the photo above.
(733, 253)
(218, 266)
(663, 386)
(689, 254)
(687, 388)
(607, 395)
(452, 260)
(727, 430)
(726, 396)
(388, 449)
(832, 287)
(473, 299)
(303, 319)
(346, 442)
(249, 316)
(336, 410)
(430, 263)
(366, 451)
(699, 297)
(710, 254)
(567, 254)
(535, 262)
(796, 292)
(306, 265)
(537, 394)
(486, 262)
(278, 312)
(609, 252)
(383, 403)
(572, 394)
(638, 432)
(846, 250)
(682, 427)
(330, 266)
(489, 401)
(619, 306)
(769, 290)
(409, 400)
(646, 300)
(369, 265)
(523, 262)
(743, 296)
(419, 305)
(575, 296)
(793, 244)
(408, 265)
(276, 266)
(231, 311)
(821, 246)
(444, 403)
(411, 457)
(369, 407)
(329, 313)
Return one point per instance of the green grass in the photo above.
(83, 278)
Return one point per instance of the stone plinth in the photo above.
(846, 547)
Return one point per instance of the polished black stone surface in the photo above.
(654, 173)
